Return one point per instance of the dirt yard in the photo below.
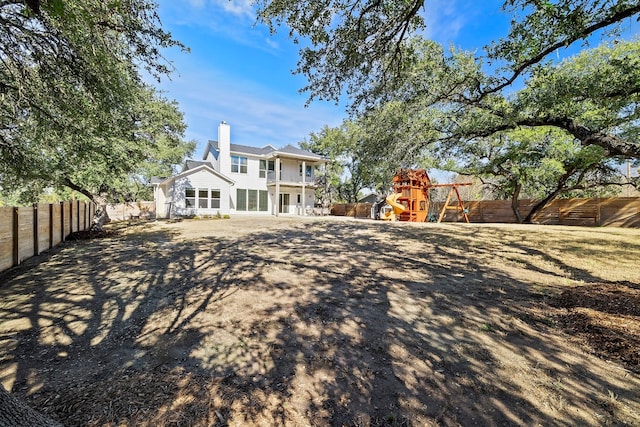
(314, 322)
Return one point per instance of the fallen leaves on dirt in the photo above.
(607, 317)
(126, 398)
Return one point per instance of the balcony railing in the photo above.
(287, 178)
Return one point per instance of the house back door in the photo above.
(284, 203)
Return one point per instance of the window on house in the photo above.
(203, 198)
(238, 164)
(241, 199)
(252, 200)
(215, 199)
(299, 198)
(190, 197)
(252, 205)
(266, 166)
(307, 171)
(264, 201)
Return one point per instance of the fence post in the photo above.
(50, 226)
(70, 217)
(35, 230)
(16, 237)
(78, 214)
(61, 221)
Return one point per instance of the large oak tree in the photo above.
(74, 109)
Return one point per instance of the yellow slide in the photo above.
(396, 208)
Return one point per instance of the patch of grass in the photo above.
(487, 327)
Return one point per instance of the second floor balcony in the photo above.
(292, 178)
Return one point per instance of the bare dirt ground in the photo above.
(281, 321)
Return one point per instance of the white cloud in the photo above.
(444, 19)
(238, 7)
(470, 24)
(258, 114)
(234, 20)
(270, 41)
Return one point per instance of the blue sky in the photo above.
(238, 72)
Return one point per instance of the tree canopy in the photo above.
(562, 132)
(563, 126)
(74, 110)
(358, 44)
(348, 172)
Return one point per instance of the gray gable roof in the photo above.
(238, 148)
(290, 149)
(267, 150)
(192, 164)
(212, 147)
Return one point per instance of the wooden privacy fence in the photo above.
(29, 231)
(133, 210)
(617, 211)
(355, 210)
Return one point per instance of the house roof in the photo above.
(212, 146)
(290, 149)
(369, 198)
(266, 151)
(191, 166)
(157, 179)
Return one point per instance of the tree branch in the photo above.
(67, 182)
(519, 70)
(612, 144)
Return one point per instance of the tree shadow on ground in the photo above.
(336, 323)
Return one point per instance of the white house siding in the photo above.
(295, 207)
(290, 171)
(249, 181)
(202, 179)
(160, 198)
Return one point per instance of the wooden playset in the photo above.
(409, 200)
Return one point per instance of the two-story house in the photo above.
(233, 178)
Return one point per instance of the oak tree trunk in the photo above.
(15, 413)
(514, 203)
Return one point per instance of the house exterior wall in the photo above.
(290, 173)
(297, 204)
(213, 160)
(249, 184)
(204, 180)
(160, 197)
